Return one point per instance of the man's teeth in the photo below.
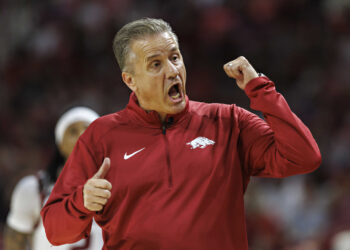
(176, 96)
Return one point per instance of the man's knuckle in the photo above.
(108, 194)
(107, 185)
(104, 194)
(89, 191)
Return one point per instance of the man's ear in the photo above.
(128, 79)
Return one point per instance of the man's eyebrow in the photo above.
(175, 49)
(149, 58)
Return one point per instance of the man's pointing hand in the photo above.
(241, 70)
(96, 190)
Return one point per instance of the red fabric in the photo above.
(169, 196)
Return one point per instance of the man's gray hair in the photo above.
(135, 30)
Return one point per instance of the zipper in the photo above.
(167, 155)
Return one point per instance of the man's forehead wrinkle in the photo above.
(153, 52)
(150, 47)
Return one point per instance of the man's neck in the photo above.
(162, 116)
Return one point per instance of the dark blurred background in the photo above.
(56, 54)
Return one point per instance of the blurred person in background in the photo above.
(174, 171)
(24, 228)
(341, 241)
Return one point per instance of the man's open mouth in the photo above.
(174, 92)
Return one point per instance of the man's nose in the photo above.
(172, 70)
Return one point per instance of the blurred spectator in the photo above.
(341, 241)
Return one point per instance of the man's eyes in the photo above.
(155, 64)
(175, 58)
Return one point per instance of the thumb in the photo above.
(102, 172)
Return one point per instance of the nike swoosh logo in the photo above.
(126, 156)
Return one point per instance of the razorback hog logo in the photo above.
(200, 142)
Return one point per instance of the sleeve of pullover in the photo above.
(65, 218)
(281, 145)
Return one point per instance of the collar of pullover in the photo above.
(151, 118)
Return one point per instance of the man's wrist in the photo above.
(256, 84)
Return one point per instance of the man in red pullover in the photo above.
(174, 171)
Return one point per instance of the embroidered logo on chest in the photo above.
(200, 142)
(126, 156)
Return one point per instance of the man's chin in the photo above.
(177, 108)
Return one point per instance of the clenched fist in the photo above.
(97, 190)
(241, 70)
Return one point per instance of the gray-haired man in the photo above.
(174, 171)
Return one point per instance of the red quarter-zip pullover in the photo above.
(179, 185)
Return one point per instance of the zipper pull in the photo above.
(166, 124)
